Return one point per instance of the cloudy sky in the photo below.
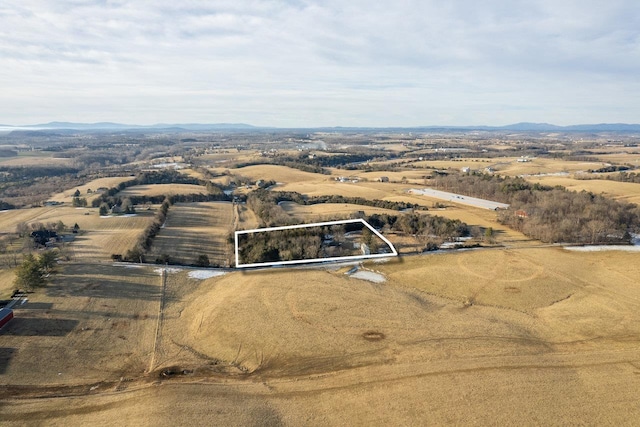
(320, 63)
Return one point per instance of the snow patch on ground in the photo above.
(371, 276)
(381, 260)
(634, 247)
(601, 248)
(205, 274)
(127, 265)
(452, 245)
(168, 270)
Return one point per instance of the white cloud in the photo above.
(304, 63)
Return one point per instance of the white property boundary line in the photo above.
(305, 261)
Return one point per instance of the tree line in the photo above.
(264, 204)
(213, 191)
(281, 245)
(137, 253)
(424, 227)
(318, 164)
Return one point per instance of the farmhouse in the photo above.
(42, 237)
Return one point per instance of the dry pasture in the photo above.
(622, 191)
(35, 158)
(67, 195)
(92, 323)
(309, 213)
(99, 238)
(517, 336)
(282, 174)
(162, 190)
(194, 229)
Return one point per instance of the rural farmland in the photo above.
(195, 229)
(143, 316)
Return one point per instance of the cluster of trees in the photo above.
(318, 164)
(423, 226)
(264, 204)
(5, 205)
(110, 198)
(625, 177)
(281, 245)
(282, 161)
(23, 229)
(33, 271)
(180, 198)
(612, 168)
(78, 201)
(146, 237)
(550, 214)
(29, 186)
(126, 207)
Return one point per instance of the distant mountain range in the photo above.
(517, 127)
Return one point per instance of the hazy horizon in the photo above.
(301, 64)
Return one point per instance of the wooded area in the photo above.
(550, 214)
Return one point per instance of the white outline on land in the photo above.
(305, 261)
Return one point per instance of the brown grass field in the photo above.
(516, 335)
(630, 156)
(623, 191)
(67, 196)
(329, 211)
(244, 218)
(89, 316)
(194, 229)
(511, 167)
(399, 193)
(279, 174)
(502, 336)
(99, 238)
(162, 190)
(35, 158)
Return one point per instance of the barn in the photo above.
(6, 314)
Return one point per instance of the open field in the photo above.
(162, 190)
(92, 323)
(35, 158)
(399, 193)
(413, 176)
(322, 211)
(194, 229)
(112, 235)
(512, 167)
(99, 238)
(622, 191)
(244, 218)
(518, 333)
(67, 196)
(495, 336)
(621, 158)
(367, 190)
(278, 173)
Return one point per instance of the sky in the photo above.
(298, 63)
